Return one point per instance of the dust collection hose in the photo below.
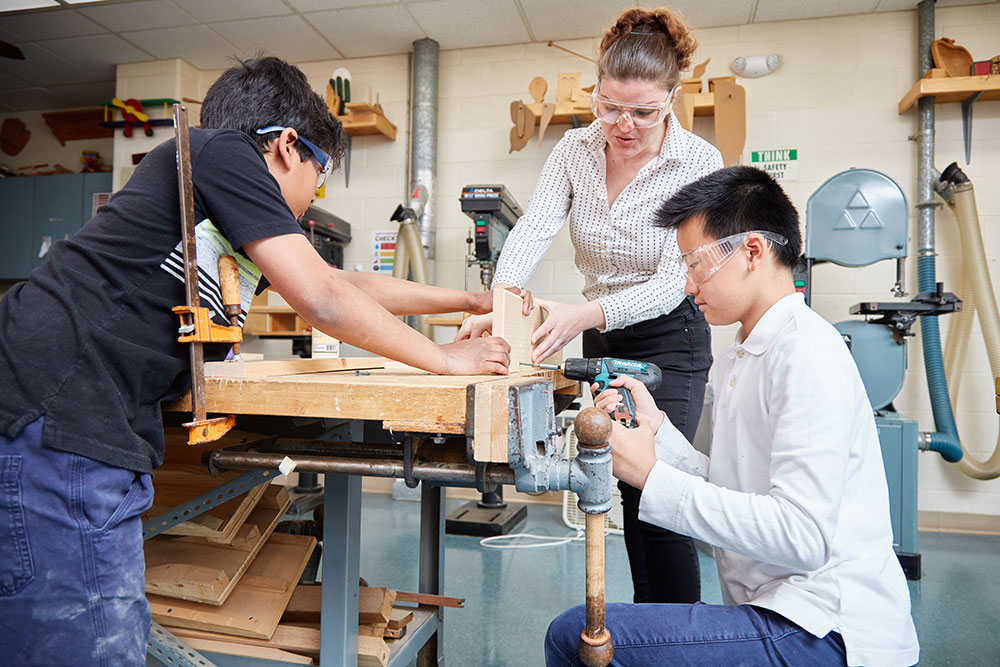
(976, 280)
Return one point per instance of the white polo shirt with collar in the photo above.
(794, 496)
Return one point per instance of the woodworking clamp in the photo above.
(196, 325)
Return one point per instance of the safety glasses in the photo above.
(705, 261)
(641, 115)
(324, 161)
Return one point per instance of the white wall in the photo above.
(834, 98)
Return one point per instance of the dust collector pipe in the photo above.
(976, 276)
(944, 439)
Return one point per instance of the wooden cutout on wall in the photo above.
(524, 125)
(730, 119)
(515, 328)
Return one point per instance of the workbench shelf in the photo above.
(952, 89)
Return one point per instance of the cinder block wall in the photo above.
(834, 99)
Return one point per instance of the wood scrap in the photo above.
(278, 367)
(196, 568)
(255, 606)
(431, 600)
(375, 605)
(247, 650)
(175, 484)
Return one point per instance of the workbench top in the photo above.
(401, 397)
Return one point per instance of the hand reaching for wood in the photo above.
(477, 356)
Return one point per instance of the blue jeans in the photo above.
(72, 576)
(695, 634)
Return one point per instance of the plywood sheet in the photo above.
(255, 606)
(195, 568)
(511, 324)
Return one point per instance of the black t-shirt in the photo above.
(89, 340)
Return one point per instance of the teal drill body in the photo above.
(603, 370)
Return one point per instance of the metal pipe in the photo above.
(423, 134)
(449, 474)
(925, 134)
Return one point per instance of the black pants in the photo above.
(664, 564)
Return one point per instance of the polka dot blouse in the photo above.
(630, 266)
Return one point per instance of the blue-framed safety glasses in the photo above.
(324, 161)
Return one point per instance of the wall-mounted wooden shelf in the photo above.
(364, 119)
(952, 89)
(275, 321)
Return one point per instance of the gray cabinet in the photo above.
(39, 211)
(16, 207)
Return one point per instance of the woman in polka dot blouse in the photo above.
(609, 178)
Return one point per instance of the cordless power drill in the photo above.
(603, 370)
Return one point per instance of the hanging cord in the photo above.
(497, 541)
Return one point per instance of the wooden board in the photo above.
(516, 328)
(952, 89)
(177, 483)
(730, 119)
(195, 568)
(278, 367)
(372, 651)
(375, 605)
(255, 606)
(247, 650)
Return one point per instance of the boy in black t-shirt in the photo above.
(89, 351)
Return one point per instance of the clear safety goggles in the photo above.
(324, 161)
(641, 115)
(705, 261)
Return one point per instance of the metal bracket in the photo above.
(967, 123)
(206, 501)
(170, 650)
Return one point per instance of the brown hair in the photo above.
(651, 45)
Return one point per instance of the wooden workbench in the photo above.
(401, 397)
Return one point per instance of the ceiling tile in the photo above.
(49, 25)
(288, 37)
(195, 43)
(320, 5)
(368, 31)
(30, 99)
(97, 53)
(43, 68)
(547, 19)
(790, 10)
(138, 15)
(83, 94)
(460, 24)
(8, 81)
(232, 10)
(700, 14)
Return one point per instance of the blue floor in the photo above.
(511, 595)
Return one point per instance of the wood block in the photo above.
(255, 606)
(277, 367)
(372, 652)
(195, 568)
(375, 605)
(514, 327)
(398, 618)
(177, 483)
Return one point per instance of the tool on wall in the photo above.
(340, 84)
(196, 326)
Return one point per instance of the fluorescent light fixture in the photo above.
(18, 5)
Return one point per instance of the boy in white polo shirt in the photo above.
(793, 497)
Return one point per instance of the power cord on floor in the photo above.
(496, 542)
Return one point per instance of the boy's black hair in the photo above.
(733, 200)
(265, 91)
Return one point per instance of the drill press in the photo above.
(494, 213)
